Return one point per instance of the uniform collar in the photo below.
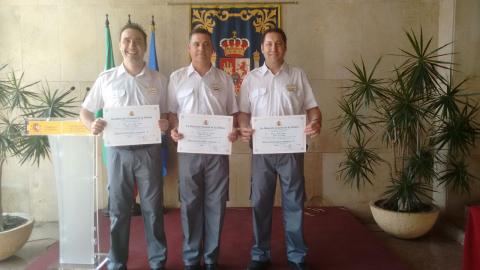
(122, 70)
(191, 70)
(264, 69)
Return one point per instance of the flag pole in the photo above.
(153, 65)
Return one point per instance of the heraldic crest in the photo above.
(236, 33)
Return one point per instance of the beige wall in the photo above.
(467, 48)
(63, 41)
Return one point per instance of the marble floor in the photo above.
(432, 252)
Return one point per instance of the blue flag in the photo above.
(153, 65)
(152, 55)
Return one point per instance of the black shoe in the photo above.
(258, 265)
(193, 267)
(298, 266)
(211, 266)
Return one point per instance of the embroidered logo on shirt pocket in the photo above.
(292, 91)
(291, 88)
(152, 91)
(292, 98)
(215, 89)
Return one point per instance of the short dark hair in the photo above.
(275, 30)
(199, 30)
(135, 26)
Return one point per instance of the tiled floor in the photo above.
(432, 252)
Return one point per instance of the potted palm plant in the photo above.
(428, 125)
(18, 101)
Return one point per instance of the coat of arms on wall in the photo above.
(236, 33)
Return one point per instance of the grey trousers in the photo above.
(203, 197)
(142, 165)
(265, 169)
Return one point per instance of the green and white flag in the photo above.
(109, 63)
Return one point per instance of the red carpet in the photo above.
(336, 240)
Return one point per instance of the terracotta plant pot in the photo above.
(13, 240)
(404, 225)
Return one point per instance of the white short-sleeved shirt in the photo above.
(117, 88)
(286, 93)
(212, 94)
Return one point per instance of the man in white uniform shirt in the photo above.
(200, 88)
(131, 84)
(276, 89)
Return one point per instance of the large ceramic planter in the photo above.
(14, 239)
(404, 225)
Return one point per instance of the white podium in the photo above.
(74, 161)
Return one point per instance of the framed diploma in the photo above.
(279, 134)
(132, 125)
(205, 134)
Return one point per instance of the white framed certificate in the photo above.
(205, 134)
(279, 134)
(132, 125)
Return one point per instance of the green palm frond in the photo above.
(51, 104)
(420, 165)
(460, 132)
(4, 89)
(358, 168)
(422, 65)
(403, 116)
(365, 89)
(20, 96)
(351, 120)
(447, 104)
(456, 176)
(9, 135)
(33, 149)
(424, 118)
(405, 194)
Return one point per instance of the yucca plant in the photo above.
(425, 120)
(18, 101)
